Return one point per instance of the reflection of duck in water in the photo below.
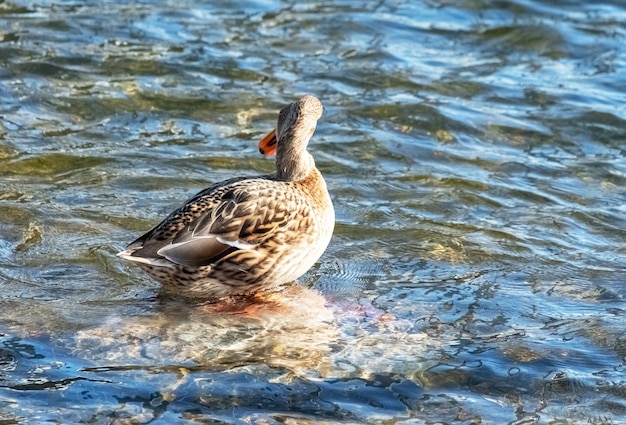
(292, 328)
(247, 234)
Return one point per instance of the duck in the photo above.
(246, 235)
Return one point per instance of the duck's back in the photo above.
(239, 236)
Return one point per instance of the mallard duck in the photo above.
(247, 234)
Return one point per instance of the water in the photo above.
(475, 154)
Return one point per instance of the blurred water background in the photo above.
(475, 152)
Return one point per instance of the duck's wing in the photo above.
(216, 223)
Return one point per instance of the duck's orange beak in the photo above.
(267, 145)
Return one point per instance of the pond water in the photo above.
(475, 153)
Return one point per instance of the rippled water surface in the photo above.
(475, 154)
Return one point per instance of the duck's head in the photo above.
(296, 124)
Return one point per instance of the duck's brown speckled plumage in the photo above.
(247, 234)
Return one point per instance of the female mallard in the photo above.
(248, 233)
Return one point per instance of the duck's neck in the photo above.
(292, 166)
(293, 162)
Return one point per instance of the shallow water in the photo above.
(475, 154)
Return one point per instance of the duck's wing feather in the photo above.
(218, 222)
